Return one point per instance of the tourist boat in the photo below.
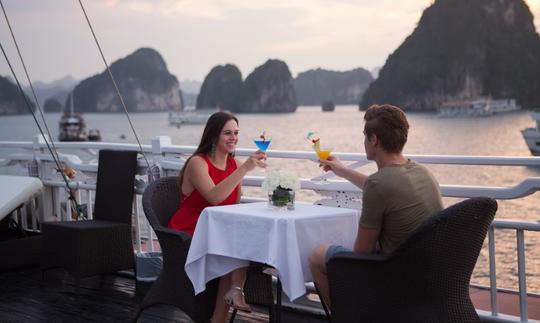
(481, 107)
(491, 301)
(328, 106)
(177, 118)
(72, 126)
(532, 135)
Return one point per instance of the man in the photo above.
(399, 197)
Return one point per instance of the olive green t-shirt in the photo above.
(396, 200)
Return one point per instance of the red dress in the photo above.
(191, 206)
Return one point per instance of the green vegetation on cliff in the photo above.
(463, 49)
(11, 101)
(314, 87)
(221, 89)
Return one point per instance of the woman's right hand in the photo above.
(255, 160)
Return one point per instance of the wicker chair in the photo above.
(173, 287)
(103, 244)
(424, 280)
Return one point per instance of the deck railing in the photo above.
(169, 158)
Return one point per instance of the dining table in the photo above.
(230, 237)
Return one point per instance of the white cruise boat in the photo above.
(177, 118)
(481, 107)
(532, 135)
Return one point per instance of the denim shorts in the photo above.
(334, 249)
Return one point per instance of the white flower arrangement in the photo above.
(285, 179)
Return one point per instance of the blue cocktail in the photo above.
(262, 144)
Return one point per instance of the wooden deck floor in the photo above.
(26, 297)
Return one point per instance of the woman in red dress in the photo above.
(212, 176)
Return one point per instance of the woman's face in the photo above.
(228, 138)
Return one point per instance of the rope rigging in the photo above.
(115, 84)
(28, 79)
(74, 204)
(48, 141)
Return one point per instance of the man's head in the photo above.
(390, 127)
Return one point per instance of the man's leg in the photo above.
(317, 264)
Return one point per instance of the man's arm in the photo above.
(334, 164)
(366, 240)
(353, 176)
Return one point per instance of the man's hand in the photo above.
(333, 164)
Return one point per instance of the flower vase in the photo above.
(281, 198)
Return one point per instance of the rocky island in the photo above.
(144, 82)
(461, 50)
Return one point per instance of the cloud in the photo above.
(190, 8)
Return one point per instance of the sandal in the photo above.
(235, 298)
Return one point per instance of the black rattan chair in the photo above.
(103, 244)
(425, 280)
(173, 287)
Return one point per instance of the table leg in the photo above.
(278, 300)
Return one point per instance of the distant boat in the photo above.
(177, 118)
(481, 107)
(94, 135)
(328, 106)
(532, 135)
(73, 128)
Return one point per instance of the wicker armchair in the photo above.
(103, 244)
(424, 280)
(173, 287)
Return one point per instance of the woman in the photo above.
(212, 176)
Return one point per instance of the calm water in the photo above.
(492, 136)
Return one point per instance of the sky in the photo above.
(195, 35)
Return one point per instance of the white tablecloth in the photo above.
(228, 237)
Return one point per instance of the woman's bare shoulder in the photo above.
(196, 162)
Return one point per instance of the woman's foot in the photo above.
(235, 298)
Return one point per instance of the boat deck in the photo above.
(26, 297)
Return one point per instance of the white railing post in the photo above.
(157, 151)
(149, 241)
(492, 271)
(89, 205)
(136, 224)
(522, 276)
(47, 207)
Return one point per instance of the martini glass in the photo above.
(262, 142)
(323, 152)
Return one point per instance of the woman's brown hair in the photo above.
(209, 138)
